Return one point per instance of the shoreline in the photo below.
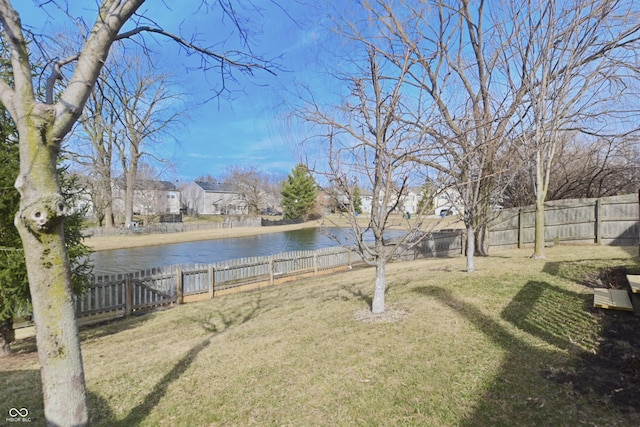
(106, 243)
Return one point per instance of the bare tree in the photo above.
(147, 108)
(253, 185)
(575, 61)
(457, 58)
(584, 167)
(95, 150)
(367, 142)
(42, 124)
(493, 73)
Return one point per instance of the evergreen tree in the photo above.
(299, 193)
(425, 204)
(14, 286)
(15, 298)
(14, 289)
(357, 200)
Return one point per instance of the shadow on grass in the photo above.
(505, 402)
(140, 412)
(559, 317)
(358, 294)
(366, 296)
(114, 326)
(575, 271)
(527, 390)
(27, 398)
(210, 324)
(95, 331)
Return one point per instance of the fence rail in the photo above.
(607, 220)
(121, 295)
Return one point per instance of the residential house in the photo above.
(408, 202)
(150, 197)
(325, 202)
(212, 198)
(449, 201)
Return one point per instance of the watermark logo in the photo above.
(20, 415)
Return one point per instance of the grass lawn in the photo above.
(481, 349)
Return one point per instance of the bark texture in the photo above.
(40, 223)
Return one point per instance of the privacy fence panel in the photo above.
(607, 220)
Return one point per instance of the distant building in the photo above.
(411, 200)
(325, 202)
(212, 198)
(150, 197)
(449, 201)
(408, 201)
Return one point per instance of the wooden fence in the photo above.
(115, 296)
(607, 220)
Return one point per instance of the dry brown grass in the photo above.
(455, 349)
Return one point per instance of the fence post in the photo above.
(271, 281)
(128, 295)
(315, 263)
(520, 228)
(179, 286)
(598, 227)
(212, 282)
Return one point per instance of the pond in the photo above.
(210, 251)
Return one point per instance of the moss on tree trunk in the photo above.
(40, 223)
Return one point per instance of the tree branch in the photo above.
(221, 58)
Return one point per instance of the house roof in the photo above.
(215, 187)
(162, 185)
(147, 184)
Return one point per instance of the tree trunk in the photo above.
(131, 175)
(482, 240)
(128, 204)
(470, 248)
(7, 336)
(40, 223)
(377, 305)
(108, 216)
(107, 194)
(538, 252)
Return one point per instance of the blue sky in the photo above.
(249, 127)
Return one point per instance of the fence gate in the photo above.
(144, 295)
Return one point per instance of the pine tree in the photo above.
(425, 204)
(14, 286)
(357, 200)
(299, 193)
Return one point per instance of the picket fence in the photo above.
(114, 296)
